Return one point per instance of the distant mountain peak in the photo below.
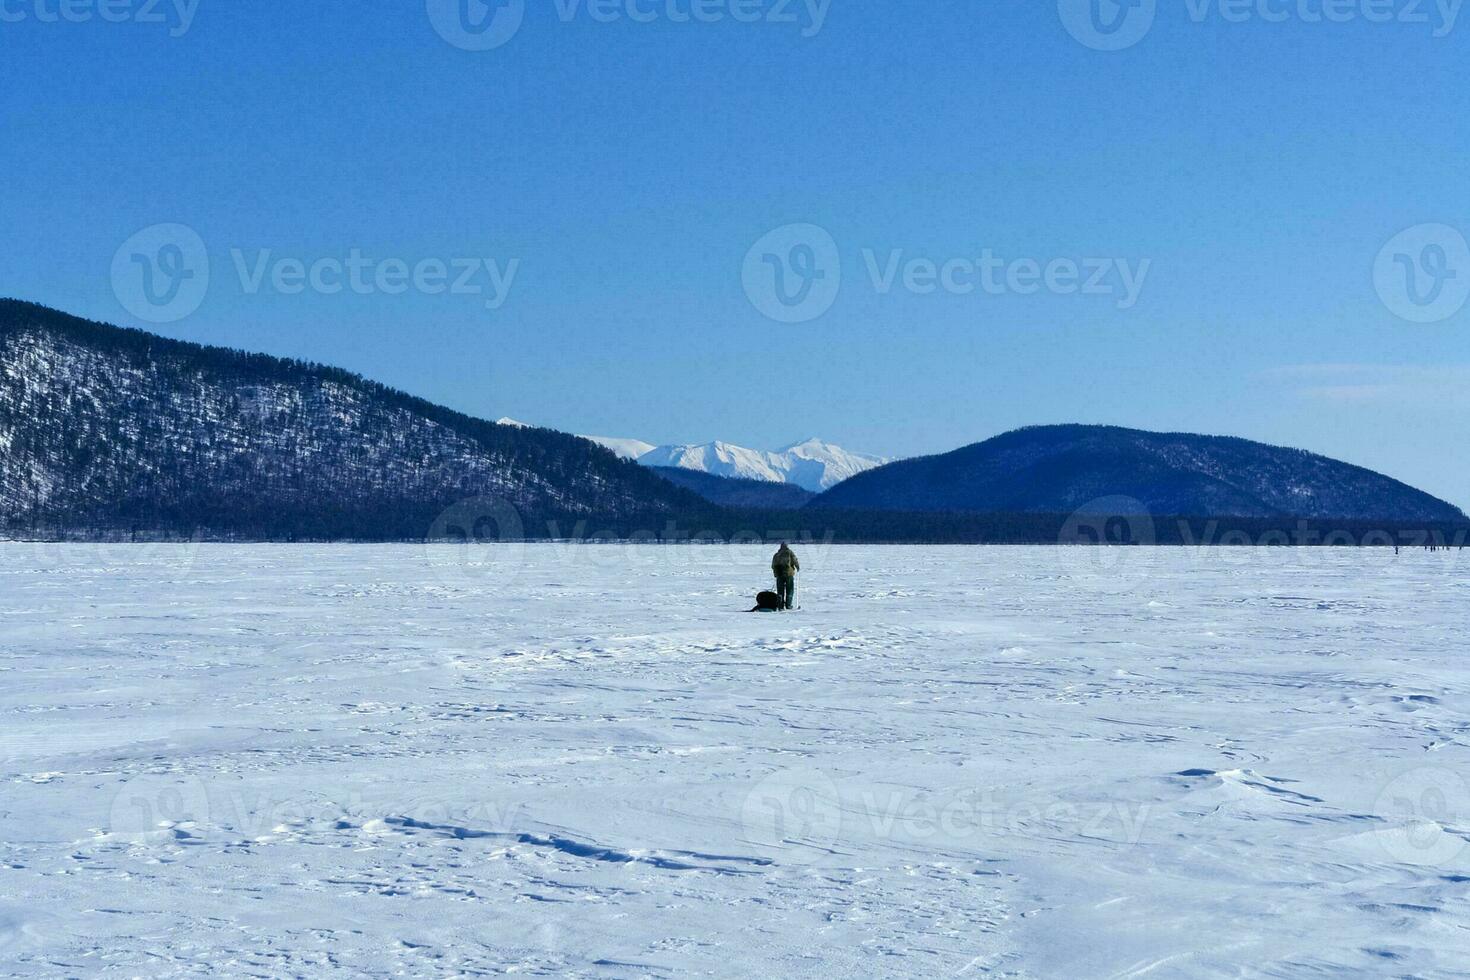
(626, 448)
(813, 464)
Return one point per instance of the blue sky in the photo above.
(1260, 173)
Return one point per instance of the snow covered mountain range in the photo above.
(812, 465)
(627, 448)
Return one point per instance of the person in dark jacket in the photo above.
(785, 566)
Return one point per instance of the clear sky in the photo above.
(1252, 184)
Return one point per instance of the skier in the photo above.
(785, 565)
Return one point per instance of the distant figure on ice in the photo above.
(785, 566)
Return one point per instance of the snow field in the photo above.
(572, 760)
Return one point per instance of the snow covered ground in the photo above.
(588, 761)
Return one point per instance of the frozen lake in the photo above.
(589, 761)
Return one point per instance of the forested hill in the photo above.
(731, 492)
(1066, 468)
(104, 429)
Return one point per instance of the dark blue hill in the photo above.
(1061, 469)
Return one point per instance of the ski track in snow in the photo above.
(588, 761)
